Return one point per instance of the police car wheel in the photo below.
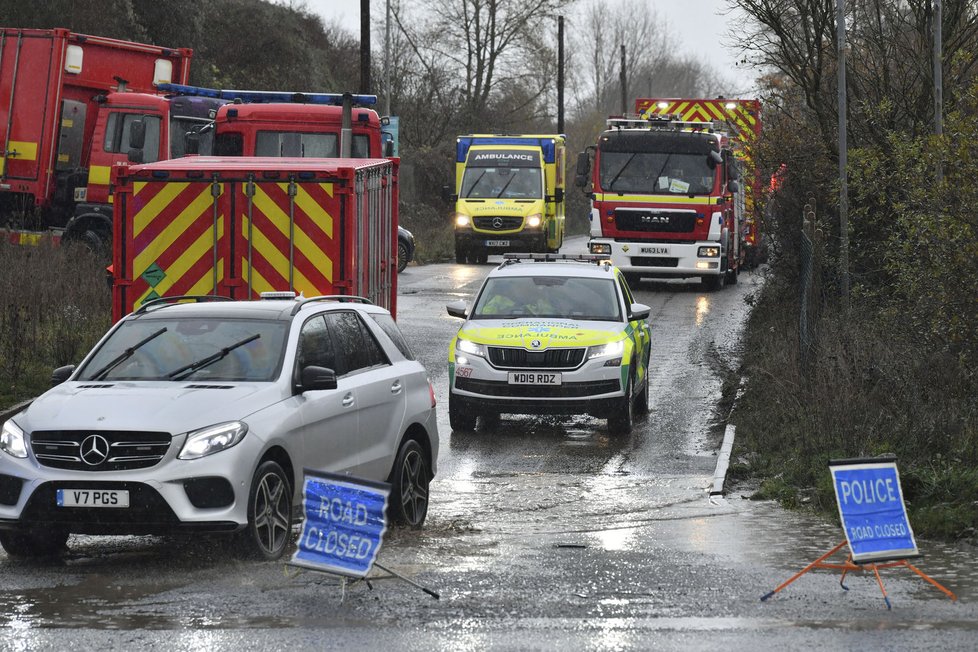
(620, 421)
(642, 398)
(269, 513)
(409, 486)
(460, 416)
(33, 544)
(490, 420)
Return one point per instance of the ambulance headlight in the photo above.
(708, 252)
(471, 348)
(12, 441)
(462, 220)
(533, 221)
(609, 350)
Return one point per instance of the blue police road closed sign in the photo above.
(871, 507)
(344, 521)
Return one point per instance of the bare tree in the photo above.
(487, 43)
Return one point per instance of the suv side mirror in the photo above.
(313, 378)
(61, 374)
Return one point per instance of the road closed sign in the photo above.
(872, 511)
(344, 521)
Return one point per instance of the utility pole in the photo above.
(938, 70)
(560, 74)
(365, 47)
(624, 85)
(840, 28)
(387, 61)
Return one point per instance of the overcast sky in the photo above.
(698, 26)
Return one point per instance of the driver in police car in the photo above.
(522, 298)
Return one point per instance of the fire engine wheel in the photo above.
(732, 276)
(714, 283)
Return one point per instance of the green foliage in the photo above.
(54, 305)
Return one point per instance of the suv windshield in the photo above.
(507, 297)
(140, 349)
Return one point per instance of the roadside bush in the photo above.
(54, 305)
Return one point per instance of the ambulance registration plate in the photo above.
(93, 498)
(533, 378)
(497, 243)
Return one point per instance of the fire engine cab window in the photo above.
(118, 129)
(230, 144)
(656, 173)
(292, 144)
(360, 147)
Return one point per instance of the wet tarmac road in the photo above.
(542, 534)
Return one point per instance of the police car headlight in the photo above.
(471, 348)
(534, 220)
(606, 350)
(708, 252)
(212, 439)
(12, 440)
(462, 220)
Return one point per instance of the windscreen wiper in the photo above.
(125, 355)
(505, 186)
(475, 183)
(186, 370)
(620, 170)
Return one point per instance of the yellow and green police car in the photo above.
(550, 334)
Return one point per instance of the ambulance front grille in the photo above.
(515, 358)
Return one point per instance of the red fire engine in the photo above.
(669, 193)
(68, 106)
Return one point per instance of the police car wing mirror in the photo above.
(639, 312)
(313, 378)
(457, 309)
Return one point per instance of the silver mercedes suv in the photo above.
(199, 414)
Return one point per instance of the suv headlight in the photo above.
(212, 439)
(611, 349)
(12, 440)
(471, 348)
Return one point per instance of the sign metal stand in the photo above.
(874, 518)
(344, 522)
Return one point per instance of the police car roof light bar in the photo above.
(513, 258)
